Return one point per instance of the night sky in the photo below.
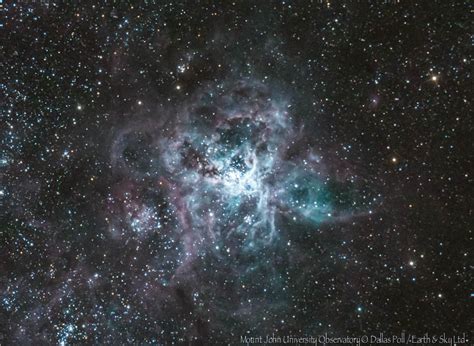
(199, 172)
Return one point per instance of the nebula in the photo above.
(215, 183)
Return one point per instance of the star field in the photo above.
(198, 173)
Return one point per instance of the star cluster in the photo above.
(204, 172)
